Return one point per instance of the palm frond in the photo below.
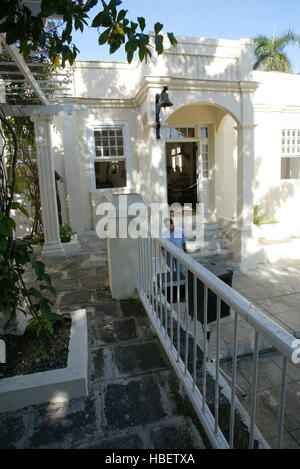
(269, 52)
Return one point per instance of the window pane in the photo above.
(204, 132)
(110, 174)
(175, 133)
(107, 141)
(191, 133)
(183, 133)
(290, 168)
(290, 144)
(168, 133)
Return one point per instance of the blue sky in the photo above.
(232, 19)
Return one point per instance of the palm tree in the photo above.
(269, 54)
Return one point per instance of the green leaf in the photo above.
(103, 38)
(39, 269)
(3, 244)
(121, 15)
(12, 35)
(172, 39)
(142, 23)
(90, 4)
(142, 52)
(7, 225)
(35, 293)
(158, 27)
(98, 20)
(51, 290)
(18, 206)
(130, 55)
(133, 26)
(48, 8)
(159, 44)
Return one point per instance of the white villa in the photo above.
(231, 140)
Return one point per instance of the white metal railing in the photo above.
(163, 290)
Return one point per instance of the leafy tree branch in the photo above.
(112, 22)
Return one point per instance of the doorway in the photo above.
(182, 172)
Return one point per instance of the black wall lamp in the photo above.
(161, 100)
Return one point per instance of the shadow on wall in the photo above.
(280, 201)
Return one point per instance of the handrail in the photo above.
(164, 308)
(271, 331)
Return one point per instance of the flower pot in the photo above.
(16, 326)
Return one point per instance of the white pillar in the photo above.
(158, 170)
(122, 249)
(72, 170)
(42, 127)
(245, 248)
(157, 160)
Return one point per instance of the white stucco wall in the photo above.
(210, 82)
(277, 107)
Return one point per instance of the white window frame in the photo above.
(180, 139)
(290, 142)
(101, 124)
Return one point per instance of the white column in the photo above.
(157, 160)
(72, 170)
(245, 248)
(123, 251)
(42, 127)
(158, 172)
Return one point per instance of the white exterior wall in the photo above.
(210, 82)
(277, 107)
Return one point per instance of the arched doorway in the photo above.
(195, 157)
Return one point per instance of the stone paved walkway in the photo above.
(133, 397)
(133, 400)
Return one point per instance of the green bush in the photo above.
(66, 233)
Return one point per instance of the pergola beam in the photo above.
(15, 110)
(24, 69)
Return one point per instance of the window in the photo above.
(176, 158)
(205, 160)
(204, 132)
(290, 154)
(180, 132)
(110, 160)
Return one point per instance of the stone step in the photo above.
(208, 234)
(217, 256)
(208, 245)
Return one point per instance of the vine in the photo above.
(16, 254)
